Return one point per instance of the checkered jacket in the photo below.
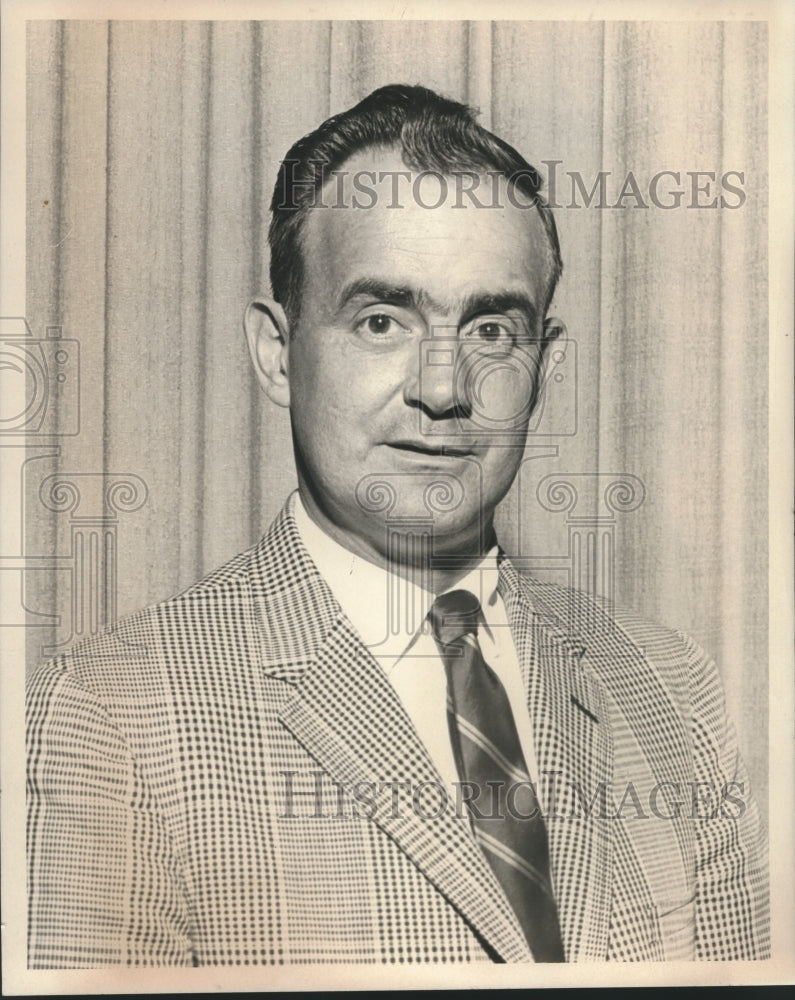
(229, 778)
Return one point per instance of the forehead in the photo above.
(381, 220)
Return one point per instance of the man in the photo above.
(369, 739)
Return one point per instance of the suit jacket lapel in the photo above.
(347, 715)
(574, 756)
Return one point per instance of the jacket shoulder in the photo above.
(133, 649)
(595, 619)
(618, 642)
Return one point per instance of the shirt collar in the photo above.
(386, 608)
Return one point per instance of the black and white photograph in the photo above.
(395, 461)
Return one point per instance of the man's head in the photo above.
(407, 327)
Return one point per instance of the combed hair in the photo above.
(435, 134)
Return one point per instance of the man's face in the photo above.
(412, 369)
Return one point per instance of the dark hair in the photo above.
(435, 134)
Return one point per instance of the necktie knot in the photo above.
(454, 615)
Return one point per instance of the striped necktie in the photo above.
(510, 829)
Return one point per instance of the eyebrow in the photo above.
(500, 302)
(382, 291)
(407, 297)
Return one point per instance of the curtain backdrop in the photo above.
(152, 151)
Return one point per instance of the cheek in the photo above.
(330, 418)
(502, 391)
(316, 386)
(349, 390)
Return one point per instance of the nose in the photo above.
(435, 384)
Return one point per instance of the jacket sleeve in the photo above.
(104, 884)
(732, 890)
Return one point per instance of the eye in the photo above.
(491, 330)
(379, 324)
(380, 327)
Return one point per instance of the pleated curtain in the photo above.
(152, 148)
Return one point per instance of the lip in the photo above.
(426, 449)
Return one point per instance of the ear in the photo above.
(268, 333)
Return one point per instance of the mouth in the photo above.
(433, 450)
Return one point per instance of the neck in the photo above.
(431, 562)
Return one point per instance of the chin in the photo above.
(448, 494)
(413, 537)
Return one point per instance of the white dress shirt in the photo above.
(389, 613)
